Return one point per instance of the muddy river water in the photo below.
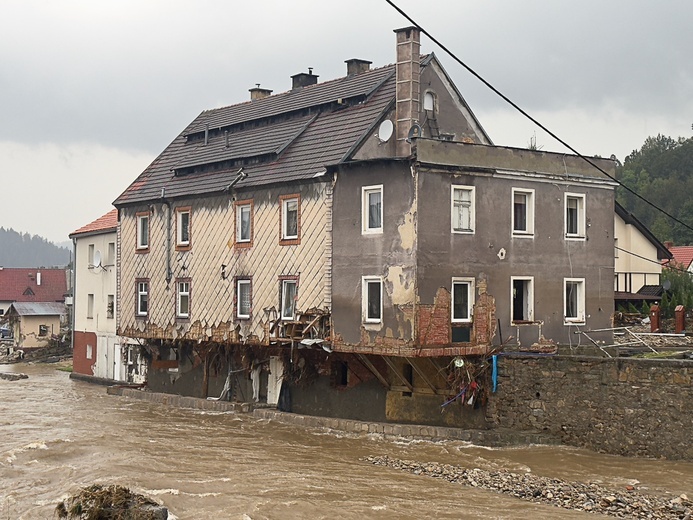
(57, 435)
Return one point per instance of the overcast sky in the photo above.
(92, 91)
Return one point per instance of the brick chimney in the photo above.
(408, 70)
(357, 66)
(303, 79)
(259, 93)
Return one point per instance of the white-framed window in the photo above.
(110, 306)
(90, 352)
(243, 299)
(523, 212)
(183, 299)
(288, 299)
(462, 299)
(575, 216)
(372, 299)
(90, 260)
(90, 305)
(182, 227)
(429, 103)
(574, 300)
(142, 298)
(110, 260)
(372, 209)
(522, 298)
(462, 209)
(143, 231)
(243, 222)
(290, 218)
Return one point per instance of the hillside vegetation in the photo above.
(662, 172)
(25, 250)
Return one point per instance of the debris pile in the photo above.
(579, 496)
(109, 503)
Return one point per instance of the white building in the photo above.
(97, 350)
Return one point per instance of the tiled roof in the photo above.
(297, 134)
(683, 255)
(38, 309)
(107, 222)
(20, 285)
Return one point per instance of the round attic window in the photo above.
(385, 130)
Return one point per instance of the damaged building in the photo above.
(357, 248)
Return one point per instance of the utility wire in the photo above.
(533, 120)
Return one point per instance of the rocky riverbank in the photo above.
(589, 497)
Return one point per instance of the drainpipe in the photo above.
(168, 236)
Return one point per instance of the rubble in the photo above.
(578, 496)
(13, 376)
(110, 503)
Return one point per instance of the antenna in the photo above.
(385, 130)
(97, 258)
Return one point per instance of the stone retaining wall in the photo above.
(180, 400)
(499, 437)
(640, 407)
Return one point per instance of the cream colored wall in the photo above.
(212, 229)
(99, 281)
(29, 330)
(630, 239)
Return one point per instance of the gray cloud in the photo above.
(127, 76)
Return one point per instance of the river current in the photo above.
(58, 435)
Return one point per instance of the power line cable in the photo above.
(532, 119)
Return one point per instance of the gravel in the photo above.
(579, 496)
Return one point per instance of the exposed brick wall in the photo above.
(620, 406)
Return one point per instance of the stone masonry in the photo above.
(634, 407)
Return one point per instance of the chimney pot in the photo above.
(357, 66)
(303, 79)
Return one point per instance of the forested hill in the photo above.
(25, 250)
(662, 172)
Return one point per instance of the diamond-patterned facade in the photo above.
(214, 262)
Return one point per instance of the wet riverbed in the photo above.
(57, 435)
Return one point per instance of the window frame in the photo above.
(366, 191)
(366, 282)
(90, 306)
(181, 244)
(238, 214)
(111, 258)
(140, 245)
(470, 282)
(282, 288)
(138, 300)
(180, 293)
(581, 219)
(110, 306)
(530, 299)
(580, 319)
(249, 283)
(284, 238)
(529, 194)
(90, 255)
(472, 209)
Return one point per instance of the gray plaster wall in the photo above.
(391, 254)
(493, 254)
